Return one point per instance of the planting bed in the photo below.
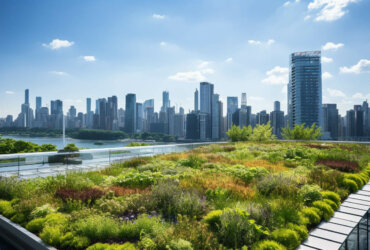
(222, 196)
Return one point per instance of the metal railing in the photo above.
(30, 165)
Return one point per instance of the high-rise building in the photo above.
(206, 95)
(193, 126)
(139, 117)
(27, 97)
(215, 117)
(350, 123)
(171, 120)
(196, 100)
(165, 101)
(130, 114)
(263, 117)
(330, 120)
(88, 105)
(366, 109)
(38, 102)
(232, 106)
(305, 89)
(359, 121)
(277, 119)
(244, 101)
(112, 109)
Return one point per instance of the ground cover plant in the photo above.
(240, 195)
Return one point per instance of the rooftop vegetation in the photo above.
(242, 195)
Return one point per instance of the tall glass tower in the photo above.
(305, 89)
(130, 115)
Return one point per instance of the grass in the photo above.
(235, 195)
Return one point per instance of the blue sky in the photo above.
(73, 49)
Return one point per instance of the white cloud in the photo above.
(229, 60)
(277, 76)
(256, 42)
(358, 96)
(361, 96)
(307, 17)
(89, 58)
(59, 73)
(335, 93)
(326, 75)
(57, 44)
(363, 66)
(208, 71)
(286, 3)
(329, 10)
(332, 46)
(204, 64)
(326, 59)
(9, 92)
(157, 16)
(163, 43)
(256, 98)
(191, 76)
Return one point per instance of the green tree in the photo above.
(234, 133)
(71, 147)
(300, 132)
(262, 132)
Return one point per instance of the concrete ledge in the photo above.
(19, 237)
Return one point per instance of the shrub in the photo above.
(112, 206)
(331, 196)
(342, 165)
(97, 227)
(190, 205)
(327, 211)
(69, 241)
(331, 203)
(236, 229)
(247, 174)
(300, 132)
(36, 225)
(144, 225)
(287, 237)
(42, 211)
(239, 134)
(313, 215)
(136, 179)
(350, 185)
(52, 235)
(360, 181)
(268, 245)
(180, 244)
(300, 229)
(327, 180)
(196, 232)
(87, 196)
(277, 185)
(193, 161)
(6, 208)
(262, 132)
(310, 193)
(105, 246)
(213, 219)
(284, 211)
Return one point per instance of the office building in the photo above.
(196, 100)
(305, 89)
(130, 114)
(232, 106)
(330, 120)
(277, 120)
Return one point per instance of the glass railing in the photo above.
(30, 165)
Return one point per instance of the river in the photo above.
(58, 141)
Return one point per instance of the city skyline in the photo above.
(147, 48)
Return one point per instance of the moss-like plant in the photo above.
(325, 208)
(287, 237)
(268, 245)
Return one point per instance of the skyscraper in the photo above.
(139, 117)
(330, 119)
(232, 106)
(38, 102)
(206, 95)
(244, 101)
(277, 119)
(305, 89)
(27, 97)
(88, 105)
(130, 114)
(215, 117)
(165, 101)
(196, 100)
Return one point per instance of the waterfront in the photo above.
(58, 141)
